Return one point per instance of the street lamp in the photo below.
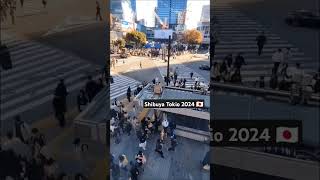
(169, 48)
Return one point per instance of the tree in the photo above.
(192, 37)
(120, 43)
(136, 37)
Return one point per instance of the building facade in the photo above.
(168, 10)
(204, 28)
(122, 9)
(205, 14)
(204, 24)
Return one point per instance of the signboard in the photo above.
(163, 33)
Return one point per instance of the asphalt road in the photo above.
(195, 67)
(271, 13)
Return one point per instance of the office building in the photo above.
(122, 9)
(168, 10)
(205, 14)
(145, 10)
(204, 28)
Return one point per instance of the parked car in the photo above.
(303, 18)
(204, 67)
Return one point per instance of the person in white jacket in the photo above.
(277, 58)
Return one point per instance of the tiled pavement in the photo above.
(183, 164)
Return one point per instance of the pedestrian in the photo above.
(140, 65)
(175, 76)
(21, 2)
(61, 91)
(98, 11)
(165, 125)
(261, 41)
(5, 58)
(22, 129)
(206, 161)
(58, 105)
(229, 59)
(196, 81)
(273, 79)
(115, 171)
(143, 141)
(173, 143)
(91, 88)
(100, 85)
(123, 162)
(82, 100)
(287, 55)
(44, 3)
(159, 146)
(277, 58)
(191, 75)
(140, 158)
(128, 128)
(134, 171)
(12, 13)
(239, 61)
(129, 94)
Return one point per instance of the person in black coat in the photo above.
(61, 91)
(18, 128)
(159, 148)
(91, 88)
(5, 58)
(134, 171)
(173, 143)
(100, 85)
(58, 105)
(129, 94)
(82, 100)
(261, 41)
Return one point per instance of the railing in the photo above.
(265, 163)
(257, 91)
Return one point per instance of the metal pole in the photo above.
(169, 47)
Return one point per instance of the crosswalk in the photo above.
(237, 33)
(36, 71)
(30, 8)
(183, 72)
(71, 23)
(120, 85)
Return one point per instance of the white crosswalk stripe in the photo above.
(237, 33)
(31, 7)
(71, 23)
(183, 72)
(120, 85)
(36, 71)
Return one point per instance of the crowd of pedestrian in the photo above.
(126, 123)
(229, 70)
(25, 156)
(85, 96)
(284, 74)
